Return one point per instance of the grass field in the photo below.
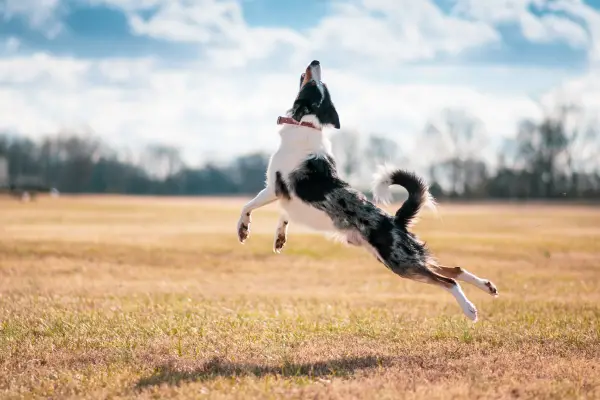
(109, 297)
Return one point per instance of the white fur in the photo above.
(381, 184)
(474, 280)
(297, 143)
(468, 308)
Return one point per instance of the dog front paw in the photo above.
(243, 228)
(280, 237)
(280, 241)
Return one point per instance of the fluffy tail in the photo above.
(418, 193)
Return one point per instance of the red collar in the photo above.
(292, 121)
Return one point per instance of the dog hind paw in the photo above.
(470, 311)
(491, 288)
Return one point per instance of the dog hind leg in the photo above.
(354, 238)
(461, 274)
(423, 274)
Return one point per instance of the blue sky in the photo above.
(211, 76)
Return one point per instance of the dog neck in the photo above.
(310, 121)
(305, 139)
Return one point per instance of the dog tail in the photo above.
(418, 193)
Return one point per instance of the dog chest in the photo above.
(304, 214)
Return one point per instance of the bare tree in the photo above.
(161, 160)
(67, 159)
(380, 150)
(346, 147)
(560, 150)
(583, 144)
(454, 141)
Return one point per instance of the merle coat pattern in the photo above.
(302, 175)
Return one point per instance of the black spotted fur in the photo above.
(317, 183)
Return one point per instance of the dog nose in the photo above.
(314, 63)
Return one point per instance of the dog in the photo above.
(302, 176)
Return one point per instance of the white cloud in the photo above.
(583, 89)
(396, 31)
(228, 105)
(535, 27)
(200, 21)
(42, 15)
(217, 25)
(200, 109)
(591, 19)
(388, 30)
(138, 101)
(496, 10)
(39, 68)
(550, 28)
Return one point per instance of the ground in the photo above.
(155, 298)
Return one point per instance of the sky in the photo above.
(211, 76)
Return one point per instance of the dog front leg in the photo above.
(264, 197)
(281, 233)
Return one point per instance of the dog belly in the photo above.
(309, 216)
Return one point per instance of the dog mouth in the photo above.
(312, 73)
(313, 98)
(315, 71)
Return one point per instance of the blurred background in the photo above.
(486, 98)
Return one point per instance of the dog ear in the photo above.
(301, 80)
(335, 117)
(332, 116)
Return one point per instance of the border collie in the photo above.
(302, 175)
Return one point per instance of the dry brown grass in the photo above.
(120, 297)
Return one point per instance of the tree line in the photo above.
(557, 157)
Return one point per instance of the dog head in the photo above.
(314, 98)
